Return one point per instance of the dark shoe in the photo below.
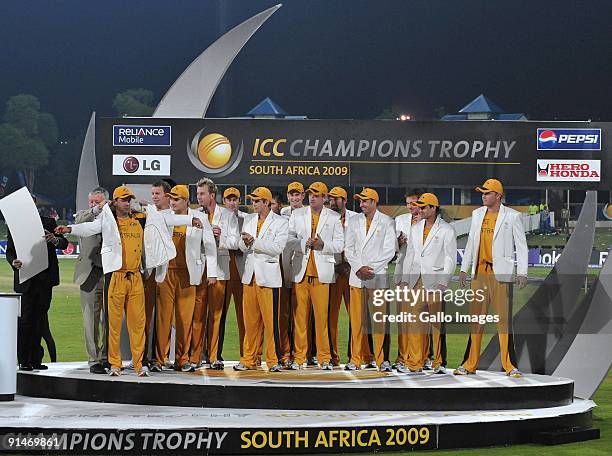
(26, 367)
(97, 369)
(106, 365)
(41, 367)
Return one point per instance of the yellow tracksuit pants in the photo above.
(499, 296)
(287, 301)
(261, 319)
(337, 291)
(176, 298)
(207, 318)
(417, 336)
(360, 319)
(310, 293)
(126, 293)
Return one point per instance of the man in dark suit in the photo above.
(35, 299)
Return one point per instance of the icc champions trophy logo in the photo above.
(212, 154)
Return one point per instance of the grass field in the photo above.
(66, 326)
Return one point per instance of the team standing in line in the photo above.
(288, 271)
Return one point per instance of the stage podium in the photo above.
(9, 311)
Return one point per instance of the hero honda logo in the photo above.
(569, 139)
(569, 170)
(142, 135)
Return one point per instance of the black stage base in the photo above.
(7, 397)
(308, 389)
(308, 411)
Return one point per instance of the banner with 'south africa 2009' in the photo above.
(349, 152)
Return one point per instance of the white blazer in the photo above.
(374, 249)
(405, 253)
(157, 249)
(287, 256)
(262, 258)
(240, 258)
(329, 230)
(228, 240)
(200, 250)
(508, 236)
(435, 259)
(340, 256)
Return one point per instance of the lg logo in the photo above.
(131, 165)
(141, 165)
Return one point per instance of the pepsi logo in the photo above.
(131, 164)
(547, 139)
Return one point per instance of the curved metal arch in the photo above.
(88, 171)
(192, 92)
(189, 96)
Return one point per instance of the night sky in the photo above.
(323, 59)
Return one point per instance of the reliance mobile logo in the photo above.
(142, 135)
(569, 139)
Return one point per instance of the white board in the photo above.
(26, 228)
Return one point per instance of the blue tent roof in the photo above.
(267, 107)
(516, 116)
(454, 117)
(481, 104)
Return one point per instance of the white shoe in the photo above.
(439, 370)
(515, 373)
(241, 367)
(350, 367)
(462, 371)
(385, 367)
(294, 366)
(276, 368)
(114, 372)
(144, 372)
(327, 367)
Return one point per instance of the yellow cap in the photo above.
(232, 191)
(295, 187)
(491, 185)
(427, 199)
(338, 192)
(179, 191)
(317, 188)
(260, 193)
(366, 194)
(123, 192)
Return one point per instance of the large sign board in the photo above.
(352, 152)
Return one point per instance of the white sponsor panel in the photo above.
(564, 170)
(141, 165)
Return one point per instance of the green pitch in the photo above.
(66, 326)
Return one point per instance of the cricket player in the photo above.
(210, 308)
(231, 201)
(123, 245)
(315, 236)
(263, 238)
(434, 245)
(369, 247)
(340, 288)
(496, 233)
(194, 248)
